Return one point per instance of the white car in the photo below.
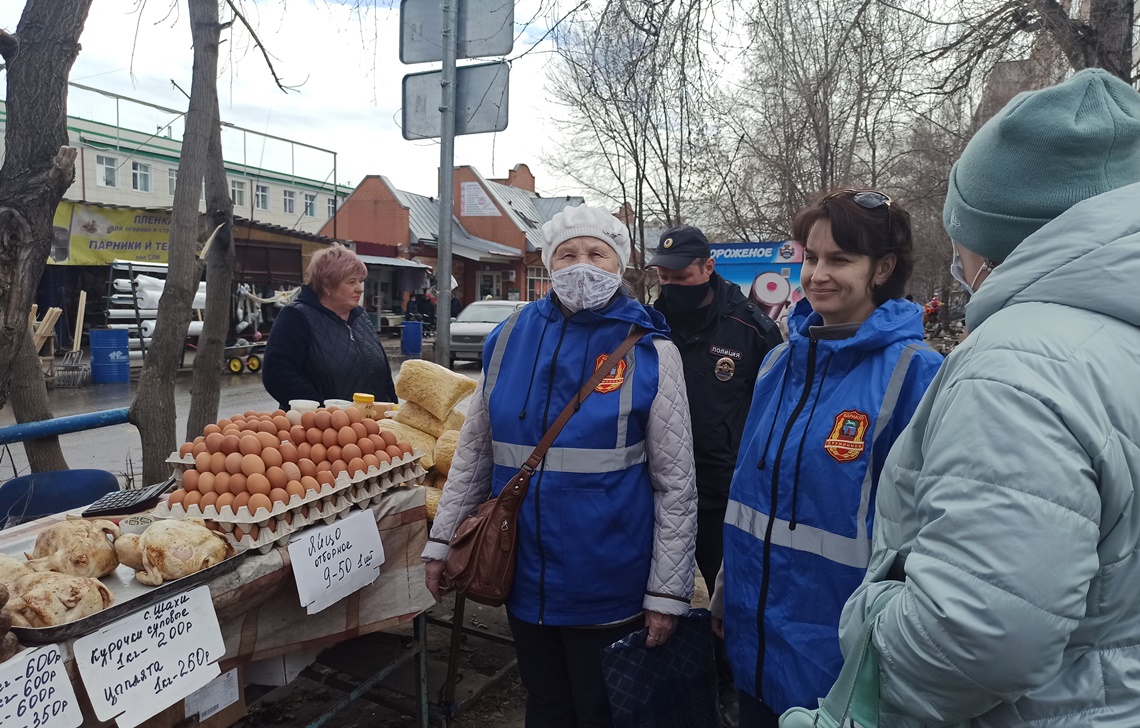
(469, 330)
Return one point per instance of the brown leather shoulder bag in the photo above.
(481, 562)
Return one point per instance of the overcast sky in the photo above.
(349, 73)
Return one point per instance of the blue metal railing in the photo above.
(63, 425)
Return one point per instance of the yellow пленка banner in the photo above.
(86, 235)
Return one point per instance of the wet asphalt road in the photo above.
(117, 448)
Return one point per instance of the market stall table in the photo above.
(258, 608)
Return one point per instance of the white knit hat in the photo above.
(592, 222)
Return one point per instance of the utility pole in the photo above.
(446, 187)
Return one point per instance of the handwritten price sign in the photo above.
(333, 561)
(35, 691)
(149, 660)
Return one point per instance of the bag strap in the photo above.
(575, 404)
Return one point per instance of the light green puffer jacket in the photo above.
(1014, 496)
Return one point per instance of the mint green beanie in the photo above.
(1043, 153)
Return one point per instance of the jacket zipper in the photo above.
(538, 487)
(764, 579)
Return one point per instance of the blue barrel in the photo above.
(110, 356)
(412, 339)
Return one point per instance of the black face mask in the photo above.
(684, 298)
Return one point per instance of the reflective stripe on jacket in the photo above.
(797, 532)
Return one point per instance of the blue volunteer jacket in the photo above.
(586, 526)
(824, 414)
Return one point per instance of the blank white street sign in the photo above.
(480, 101)
(485, 28)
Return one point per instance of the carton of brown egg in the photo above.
(250, 465)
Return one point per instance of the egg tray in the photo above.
(328, 511)
(369, 492)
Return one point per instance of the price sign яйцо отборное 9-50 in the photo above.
(333, 561)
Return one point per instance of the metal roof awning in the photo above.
(394, 262)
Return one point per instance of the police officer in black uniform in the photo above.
(723, 339)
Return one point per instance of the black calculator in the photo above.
(122, 502)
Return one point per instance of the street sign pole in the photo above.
(446, 186)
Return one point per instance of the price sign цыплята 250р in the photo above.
(333, 561)
(145, 662)
(35, 691)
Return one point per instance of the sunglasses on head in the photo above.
(868, 200)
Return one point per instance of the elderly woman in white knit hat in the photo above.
(607, 529)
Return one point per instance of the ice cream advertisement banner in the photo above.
(86, 235)
(768, 273)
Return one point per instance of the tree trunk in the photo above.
(153, 410)
(1112, 21)
(39, 165)
(30, 404)
(209, 359)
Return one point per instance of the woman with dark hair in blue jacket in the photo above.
(826, 409)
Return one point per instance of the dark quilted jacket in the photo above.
(314, 354)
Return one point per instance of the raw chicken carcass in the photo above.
(78, 548)
(169, 550)
(9, 646)
(12, 569)
(49, 599)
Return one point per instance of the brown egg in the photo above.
(289, 515)
(378, 442)
(313, 435)
(367, 447)
(354, 415)
(383, 457)
(190, 479)
(358, 428)
(371, 427)
(405, 447)
(388, 437)
(232, 430)
(257, 483)
(339, 419)
(202, 461)
(251, 464)
(303, 451)
(317, 453)
(308, 420)
(288, 452)
(294, 488)
(176, 497)
(283, 436)
(339, 467)
(325, 477)
(350, 451)
(371, 460)
(329, 437)
(240, 500)
(268, 528)
(250, 413)
(356, 465)
(208, 499)
(277, 413)
(222, 482)
(213, 441)
(322, 420)
(237, 483)
(271, 456)
(257, 501)
(279, 495)
(268, 427)
(186, 449)
(276, 477)
(346, 436)
(224, 500)
(200, 440)
(308, 467)
(297, 434)
(218, 462)
(233, 462)
(211, 430)
(310, 483)
(253, 533)
(268, 439)
(249, 445)
(281, 423)
(192, 498)
(230, 444)
(324, 465)
(206, 483)
(394, 452)
(292, 471)
(332, 454)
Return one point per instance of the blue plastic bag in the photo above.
(671, 686)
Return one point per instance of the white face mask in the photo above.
(582, 286)
(958, 271)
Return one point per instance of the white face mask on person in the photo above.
(958, 271)
(583, 286)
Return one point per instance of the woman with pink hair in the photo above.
(323, 345)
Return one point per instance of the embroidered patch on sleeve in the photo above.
(848, 436)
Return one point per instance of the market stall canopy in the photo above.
(394, 262)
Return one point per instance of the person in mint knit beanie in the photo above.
(1007, 527)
